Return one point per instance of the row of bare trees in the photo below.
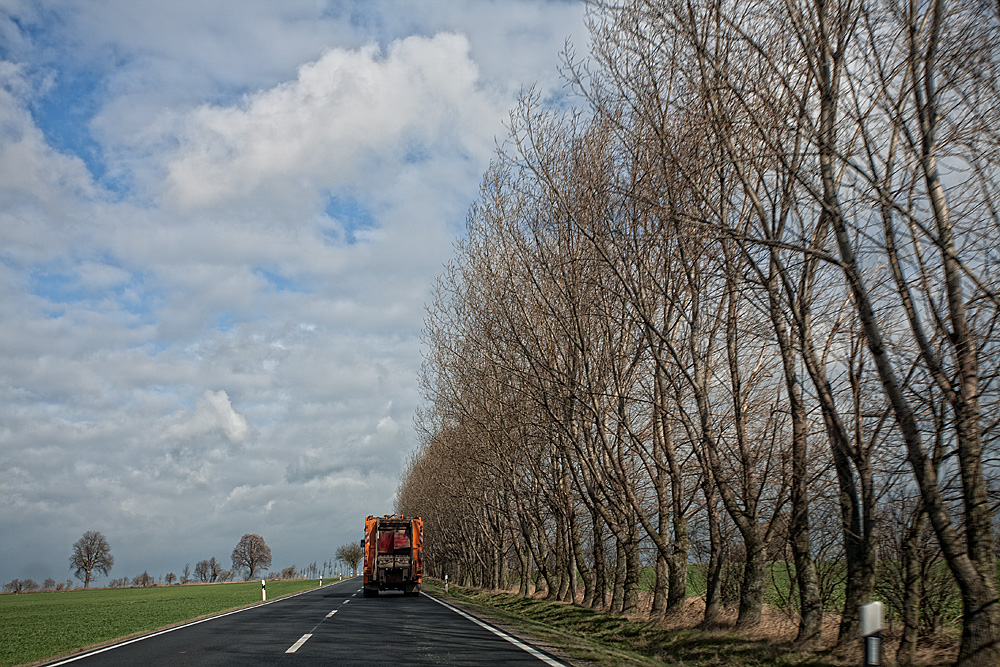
(754, 273)
(30, 585)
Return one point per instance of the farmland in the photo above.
(35, 626)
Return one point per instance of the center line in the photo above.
(297, 645)
(331, 613)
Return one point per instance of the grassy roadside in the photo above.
(589, 637)
(38, 627)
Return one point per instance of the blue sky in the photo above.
(219, 223)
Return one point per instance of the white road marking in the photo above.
(500, 633)
(346, 601)
(173, 629)
(331, 613)
(297, 645)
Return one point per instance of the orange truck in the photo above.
(393, 554)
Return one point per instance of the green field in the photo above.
(36, 626)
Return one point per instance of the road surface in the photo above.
(333, 625)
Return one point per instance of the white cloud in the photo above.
(347, 109)
(213, 413)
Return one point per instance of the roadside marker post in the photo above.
(263, 590)
(871, 630)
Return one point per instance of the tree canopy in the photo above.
(91, 553)
(250, 555)
(351, 554)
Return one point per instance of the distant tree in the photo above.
(21, 586)
(209, 571)
(170, 578)
(143, 580)
(251, 554)
(91, 553)
(215, 570)
(49, 584)
(186, 576)
(351, 554)
(289, 573)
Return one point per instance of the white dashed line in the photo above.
(331, 613)
(297, 645)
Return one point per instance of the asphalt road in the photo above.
(333, 625)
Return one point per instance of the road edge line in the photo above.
(531, 650)
(157, 633)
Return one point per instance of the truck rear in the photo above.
(393, 558)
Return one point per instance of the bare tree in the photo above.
(21, 586)
(91, 553)
(250, 555)
(143, 580)
(209, 571)
(351, 554)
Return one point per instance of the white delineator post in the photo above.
(446, 583)
(263, 590)
(872, 615)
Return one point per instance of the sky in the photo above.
(220, 223)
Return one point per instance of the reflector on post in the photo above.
(872, 618)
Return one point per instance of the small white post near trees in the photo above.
(872, 616)
(263, 590)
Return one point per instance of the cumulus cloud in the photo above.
(212, 414)
(348, 107)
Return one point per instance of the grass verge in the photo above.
(37, 627)
(592, 637)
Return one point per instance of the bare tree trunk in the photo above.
(524, 561)
(713, 573)
(586, 572)
(906, 652)
(630, 587)
(660, 584)
(600, 562)
(810, 605)
(618, 587)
